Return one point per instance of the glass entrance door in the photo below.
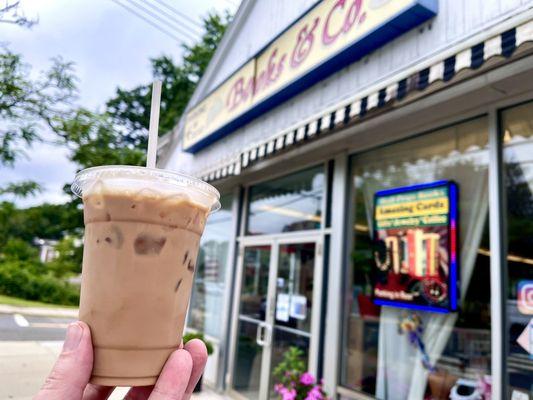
(251, 321)
(294, 304)
(278, 309)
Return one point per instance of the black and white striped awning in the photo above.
(445, 71)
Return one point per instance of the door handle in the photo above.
(264, 334)
(259, 335)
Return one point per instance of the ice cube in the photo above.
(177, 197)
(145, 193)
(146, 244)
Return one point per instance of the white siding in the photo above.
(456, 20)
(266, 20)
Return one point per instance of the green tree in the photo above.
(94, 140)
(29, 106)
(130, 109)
(49, 221)
(119, 135)
(18, 249)
(33, 107)
(24, 101)
(21, 189)
(198, 56)
(69, 258)
(7, 210)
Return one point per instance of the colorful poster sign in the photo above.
(525, 297)
(415, 253)
(331, 35)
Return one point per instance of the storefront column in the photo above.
(336, 266)
(498, 277)
(224, 350)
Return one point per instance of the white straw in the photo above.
(154, 125)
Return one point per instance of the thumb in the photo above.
(72, 369)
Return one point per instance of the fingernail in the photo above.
(74, 333)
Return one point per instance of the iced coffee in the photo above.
(142, 234)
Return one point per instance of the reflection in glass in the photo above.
(287, 204)
(295, 285)
(209, 280)
(247, 373)
(517, 129)
(377, 357)
(254, 287)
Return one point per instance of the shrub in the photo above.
(69, 259)
(28, 280)
(195, 335)
(18, 249)
(293, 382)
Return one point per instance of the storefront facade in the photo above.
(293, 258)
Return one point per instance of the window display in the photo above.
(396, 353)
(517, 131)
(415, 247)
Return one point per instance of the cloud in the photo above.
(48, 166)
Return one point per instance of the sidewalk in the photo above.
(206, 394)
(26, 364)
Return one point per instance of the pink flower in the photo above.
(315, 394)
(287, 394)
(307, 379)
(278, 387)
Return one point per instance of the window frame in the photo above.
(498, 239)
(347, 273)
(326, 169)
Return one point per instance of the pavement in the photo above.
(30, 341)
(40, 311)
(21, 327)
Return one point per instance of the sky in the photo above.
(110, 48)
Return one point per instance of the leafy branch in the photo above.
(28, 107)
(21, 189)
(10, 14)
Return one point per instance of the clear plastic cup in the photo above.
(142, 235)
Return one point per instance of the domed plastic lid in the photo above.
(159, 182)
